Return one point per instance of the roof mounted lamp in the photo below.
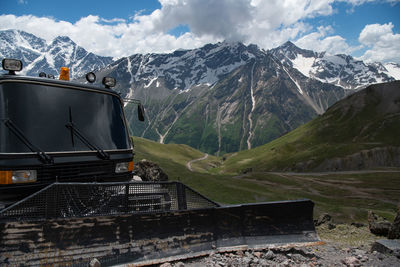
(12, 65)
(64, 74)
(109, 82)
(90, 77)
(42, 75)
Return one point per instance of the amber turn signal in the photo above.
(64, 74)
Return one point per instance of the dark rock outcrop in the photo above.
(378, 225)
(365, 159)
(323, 218)
(150, 171)
(387, 247)
(394, 231)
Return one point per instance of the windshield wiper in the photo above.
(101, 154)
(47, 159)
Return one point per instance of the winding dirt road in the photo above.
(189, 164)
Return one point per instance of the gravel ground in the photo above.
(345, 245)
(323, 255)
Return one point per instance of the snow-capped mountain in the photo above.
(184, 69)
(219, 98)
(341, 70)
(38, 56)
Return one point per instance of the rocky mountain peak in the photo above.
(62, 40)
(22, 39)
(184, 69)
(289, 51)
(38, 57)
(341, 70)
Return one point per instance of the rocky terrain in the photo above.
(344, 245)
(324, 255)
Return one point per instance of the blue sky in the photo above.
(366, 29)
(72, 10)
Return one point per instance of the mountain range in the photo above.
(219, 98)
(38, 56)
(227, 97)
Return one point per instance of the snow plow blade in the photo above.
(141, 224)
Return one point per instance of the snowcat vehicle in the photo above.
(67, 195)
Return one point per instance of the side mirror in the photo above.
(140, 112)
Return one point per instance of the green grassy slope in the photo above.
(367, 119)
(345, 196)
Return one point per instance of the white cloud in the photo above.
(320, 41)
(383, 45)
(108, 38)
(267, 23)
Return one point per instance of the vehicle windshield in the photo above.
(42, 114)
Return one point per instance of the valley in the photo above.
(347, 196)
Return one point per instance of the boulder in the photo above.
(387, 246)
(323, 218)
(394, 231)
(378, 225)
(150, 171)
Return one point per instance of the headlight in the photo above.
(19, 176)
(11, 64)
(91, 77)
(24, 176)
(124, 167)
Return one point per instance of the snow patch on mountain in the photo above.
(393, 70)
(304, 64)
(295, 82)
(150, 83)
(253, 106)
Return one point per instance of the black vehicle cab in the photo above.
(56, 130)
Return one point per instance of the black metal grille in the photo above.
(68, 172)
(66, 200)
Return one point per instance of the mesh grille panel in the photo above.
(65, 172)
(66, 200)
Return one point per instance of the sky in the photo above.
(369, 30)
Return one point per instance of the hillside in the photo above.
(346, 196)
(360, 132)
(172, 156)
